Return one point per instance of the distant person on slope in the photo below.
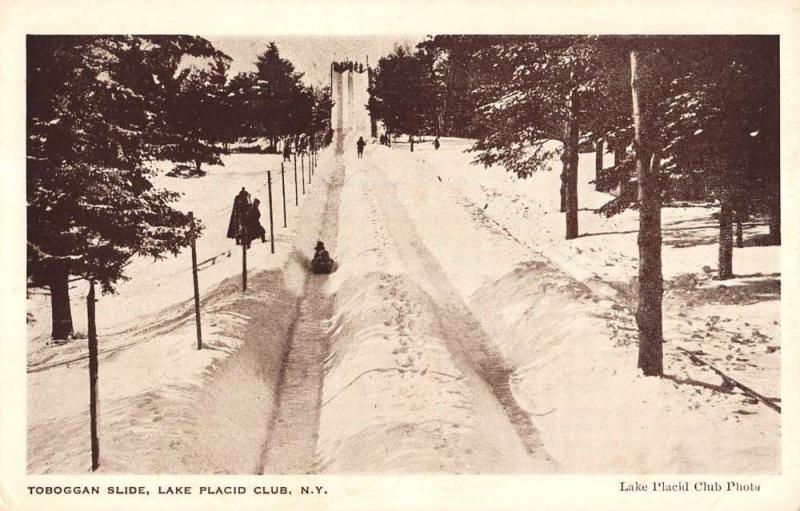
(411, 141)
(287, 150)
(241, 204)
(360, 147)
(436, 143)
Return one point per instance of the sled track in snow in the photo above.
(292, 436)
(474, 348)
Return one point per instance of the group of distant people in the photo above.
(301, 144)
(386, 139)
(412, 141)
(341, 67)
(245, 223)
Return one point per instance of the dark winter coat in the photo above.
(253, 222)
(241, 204)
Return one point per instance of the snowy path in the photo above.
(470, 344)
(411, 381)
(292, 441)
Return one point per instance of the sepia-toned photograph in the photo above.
(407, 253)
(452, 253)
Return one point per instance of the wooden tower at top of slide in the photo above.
(350, 94)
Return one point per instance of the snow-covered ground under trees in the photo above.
(464, 335)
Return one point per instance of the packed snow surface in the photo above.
(461, 334)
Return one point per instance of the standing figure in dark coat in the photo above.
(287, 150)
(360, 147)
(253, 224)
(411, 141)
(241, 204)
(436, 143)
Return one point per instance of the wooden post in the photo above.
(283, 194)
(92, 332)
(599, 150)
(192, 234)
(296, 197)
(271, 228)
(245, 240)
(302, 174)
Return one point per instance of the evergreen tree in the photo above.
(721, 130)
(196, 114)
(456, 74)
(402, 92)
(282, 105)
(94, 119)
(542, 87)
(244, 104)
(322, 107)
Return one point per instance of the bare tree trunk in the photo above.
(725, 238)
(59, 302)
(599, 149)
(571, 168)
(648, 313)
(619, 157)
(739, 231)
(775, 222)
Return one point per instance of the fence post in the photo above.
(192, 235)
(296, 198)
(271, 229)
(302, 174)
(93, 365)
(283, 193)
(245, 240)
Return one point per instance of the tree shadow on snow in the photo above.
(724, 389)
(743, 290)
(675, 235)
